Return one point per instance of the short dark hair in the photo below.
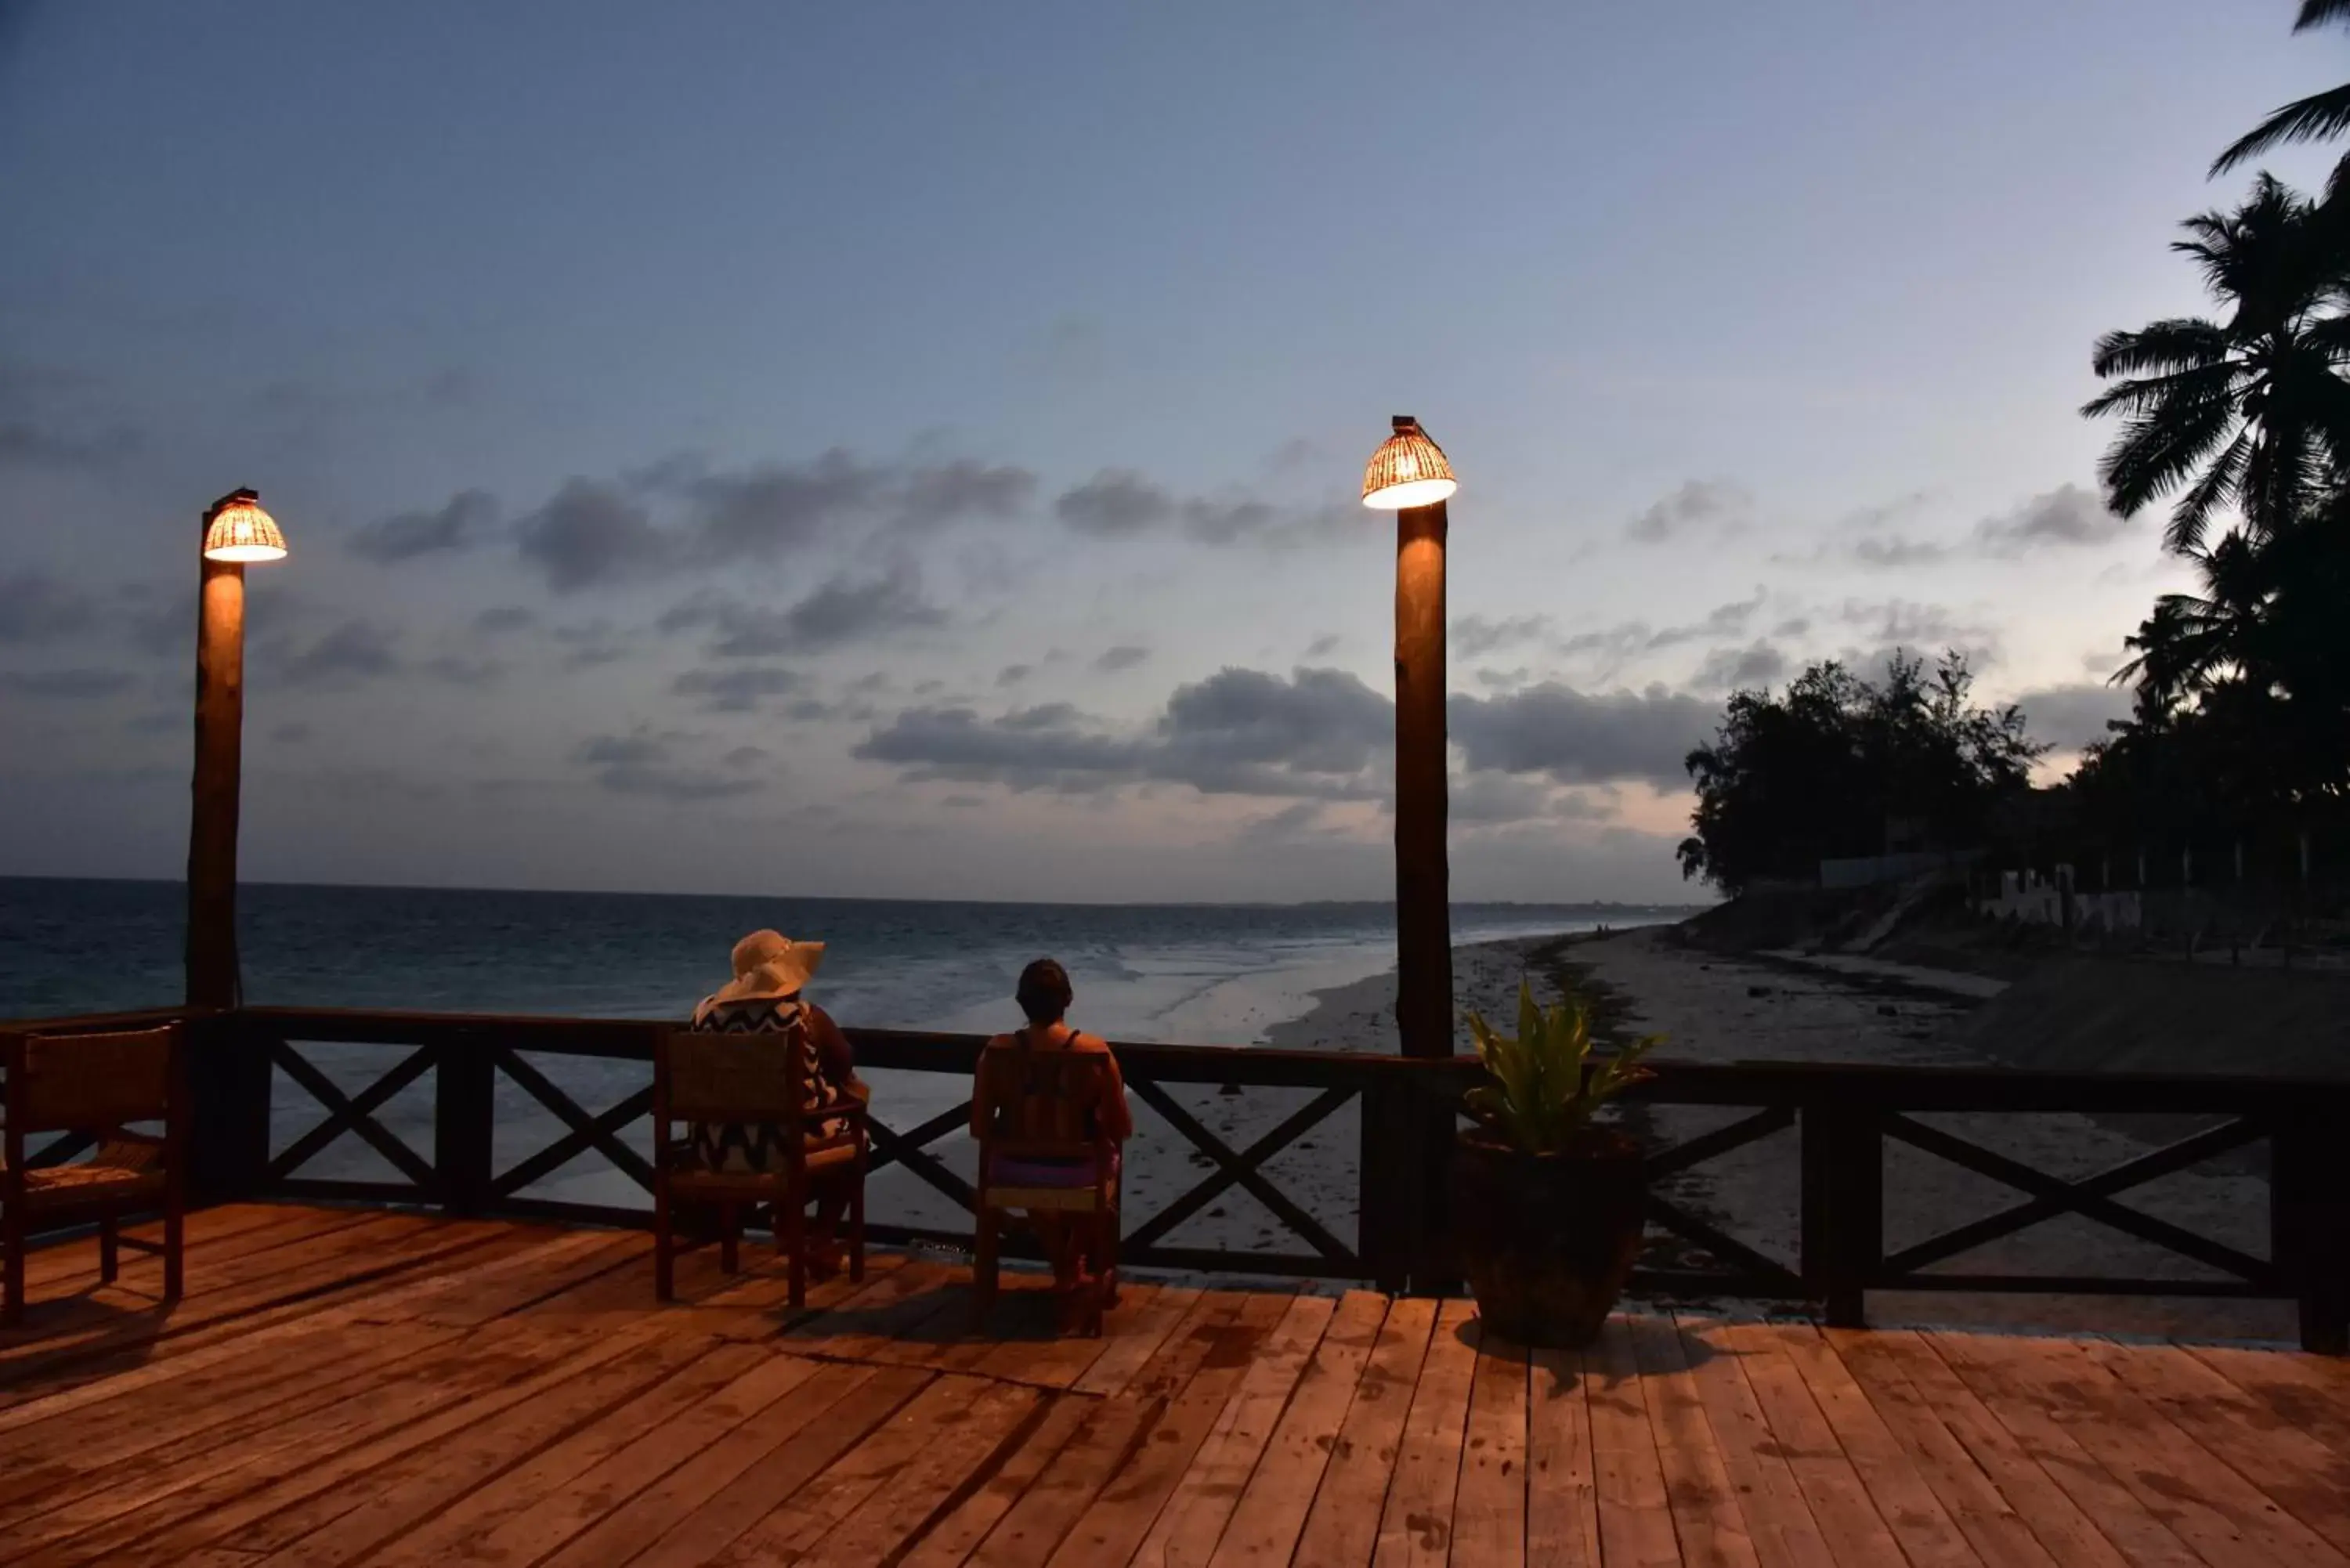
(1044, 992)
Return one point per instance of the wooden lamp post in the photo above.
(236, 531)
(1408, 475)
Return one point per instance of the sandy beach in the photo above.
(1787, 1007)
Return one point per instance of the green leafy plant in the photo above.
(1540, 1095)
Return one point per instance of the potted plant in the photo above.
(1547, 1208)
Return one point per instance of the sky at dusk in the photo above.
(912, 450)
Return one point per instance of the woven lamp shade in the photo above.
(1408, 470)
(241, 531)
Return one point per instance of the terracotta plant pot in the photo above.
(1547, 1241)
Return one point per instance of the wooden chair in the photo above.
(1023, 1089)
(96, 1085)
(699, 1077)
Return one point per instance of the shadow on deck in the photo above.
(357, 1385)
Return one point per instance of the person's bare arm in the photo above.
(1116, 1119)
(833, 1050)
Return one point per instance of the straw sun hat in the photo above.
(767, 964)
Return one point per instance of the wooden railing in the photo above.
(1842, 1117)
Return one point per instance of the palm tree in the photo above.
(2249, 412)
(2317, 118)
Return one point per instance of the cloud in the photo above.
(759, 512)
(500, 618)
(2070, 717)
(1315, 735)
(358, 649)
(591, 534)
(66, 685)
(1743, 669)
(2067, 515)
(1699, 505)
(738, 690)
(1125, 656)
(460, 671)
(642, 764)
(37, 608)
(462, 522)
(590, 643)
(1120, 504)
(293, 732)
(1116, 503)
(1475, 635)
(843, 609)
(1013, 674)
(1577, 737)
(1323, 646)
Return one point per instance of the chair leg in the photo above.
(730, 1238)
(794, 1231)
(983, 1267)
(664, 1252)
(857, 1222)
(110, 1250)
(12, 1269)
(174, 1229)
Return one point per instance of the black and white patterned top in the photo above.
(752, 1145)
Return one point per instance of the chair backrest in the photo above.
(81, 1083)
(1043, 1104)
(706, 1077)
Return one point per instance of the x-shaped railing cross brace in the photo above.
(598, 1133)
(347, 1113)
(1242, 1167)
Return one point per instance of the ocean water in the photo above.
(1210, 973)
(1183, 973)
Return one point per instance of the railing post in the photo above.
(228, 1071)
(1386, 1228)
(1842, 1208)
(464, 1119)
(2308, 1218)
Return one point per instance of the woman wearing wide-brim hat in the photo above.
(770, 970)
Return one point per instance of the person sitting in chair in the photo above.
(764, 998)
(1045, 995)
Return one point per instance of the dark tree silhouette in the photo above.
(1818, 772)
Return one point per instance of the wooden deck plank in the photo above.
(2224, 1518)
(2058, 1488)
(2305, 1392)
(1635, 1514)
(181, 1508)
(1271, 1511)
(1416, 1525)
(1489, 1511)
(223, 1233)
(550, 1523)
(1189, 1527)
(1114, 1526)
(439, 1534)
(720, 1519)
(1561, 1484)
(335, 1527)
(2184, 1531)
(494, 1393)
(2309, 1479)
(961, 1528)
(879, 1492)
(1712, 1526)
(45, 1479)
(1344, 1526)
(2008, 1507)
(754, 1454)
(1032, 1528)
(1118, 1363)
(1779, 1519)
(1926, 1528)
(1840, 1504)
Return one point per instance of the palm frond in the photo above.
(2169, 347)
(2318, 12)
(2317, 118)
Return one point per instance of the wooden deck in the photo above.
(345, 1386)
